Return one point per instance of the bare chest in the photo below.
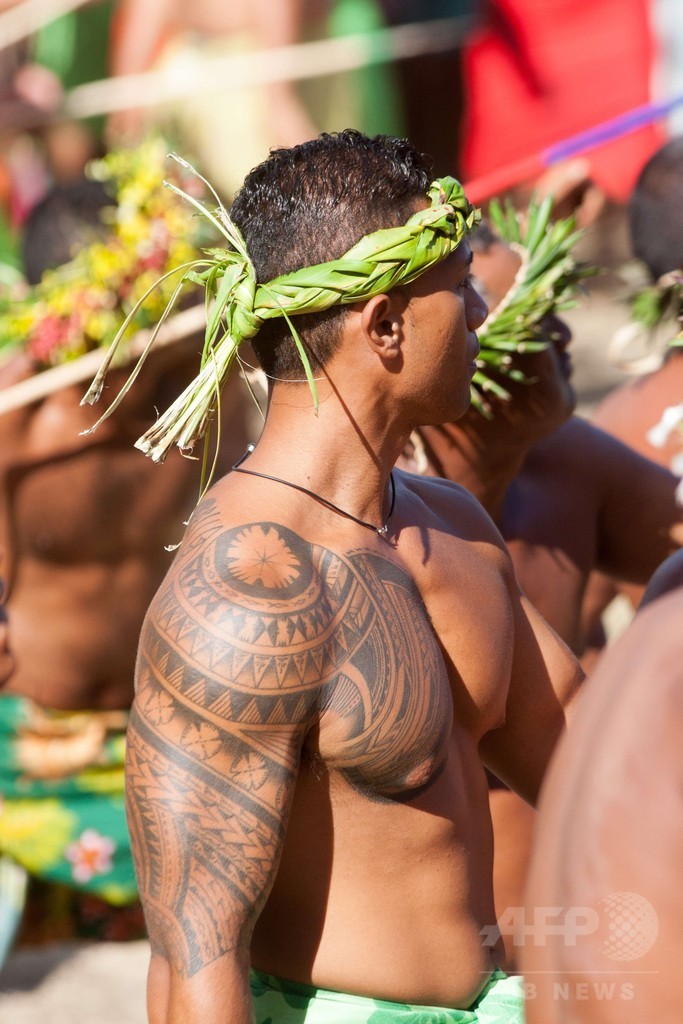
(341, 642)
(388, 708)
(96, 503)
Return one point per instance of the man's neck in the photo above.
(342, 455)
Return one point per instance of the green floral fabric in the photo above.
(286, 1002)
(62, 814)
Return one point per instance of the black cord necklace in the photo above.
(381, 531)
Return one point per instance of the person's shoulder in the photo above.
(618, 402)
(437, 489)
(580, 446)
(225, 519)
(244, 559)
(446, 506)
(630, 411)
(619, 406)
(14, 372)
(569, 439)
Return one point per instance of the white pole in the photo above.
(181, 326)
(202, 75)
(27, 17)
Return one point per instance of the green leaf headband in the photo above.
(237, 306)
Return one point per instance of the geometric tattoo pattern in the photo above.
(257, 642)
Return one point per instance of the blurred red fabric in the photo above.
(539, 71)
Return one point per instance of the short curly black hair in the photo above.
(310, 204)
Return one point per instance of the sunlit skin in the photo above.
(629, 413)
(84, 525)
(615, 847)
(534, 447)
(345, 834)
(6, 659)
(567, 497)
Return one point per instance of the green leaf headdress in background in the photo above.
(546, 282)
(237, 306)
(660, 302)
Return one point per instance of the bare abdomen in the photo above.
(74, 631)
(385, 898)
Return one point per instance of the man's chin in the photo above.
(454, 412)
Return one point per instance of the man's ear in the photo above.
(382, 324)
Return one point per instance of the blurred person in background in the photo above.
(603, 904)
(85, 522)
(538, 73)
(230, 128)
(39, 145)
(566, 496)
(634, 411)
(431, 85)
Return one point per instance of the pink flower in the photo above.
(49, 335)
(90, 855)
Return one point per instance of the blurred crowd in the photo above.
(495, 81)
(484, 87)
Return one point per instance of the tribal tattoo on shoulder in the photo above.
(256, 642)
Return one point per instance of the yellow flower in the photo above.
(151, 233)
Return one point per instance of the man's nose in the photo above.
(477, 310)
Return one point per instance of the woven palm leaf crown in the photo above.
(547, 282)
(237, 305)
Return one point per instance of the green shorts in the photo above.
(280, 1002)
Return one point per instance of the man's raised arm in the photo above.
(213, 752)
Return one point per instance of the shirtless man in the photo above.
(609, 854)
(320, 678)
(176, 37)
(84, 522)
(567, 498)
(564, 493)
(632, 410)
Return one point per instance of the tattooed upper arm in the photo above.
(227, 688)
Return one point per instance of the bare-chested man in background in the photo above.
(335, 654)
(567, 497)
(84, 522)
(632, 411)
(606, 863)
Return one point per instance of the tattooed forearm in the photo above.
(255, 637)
